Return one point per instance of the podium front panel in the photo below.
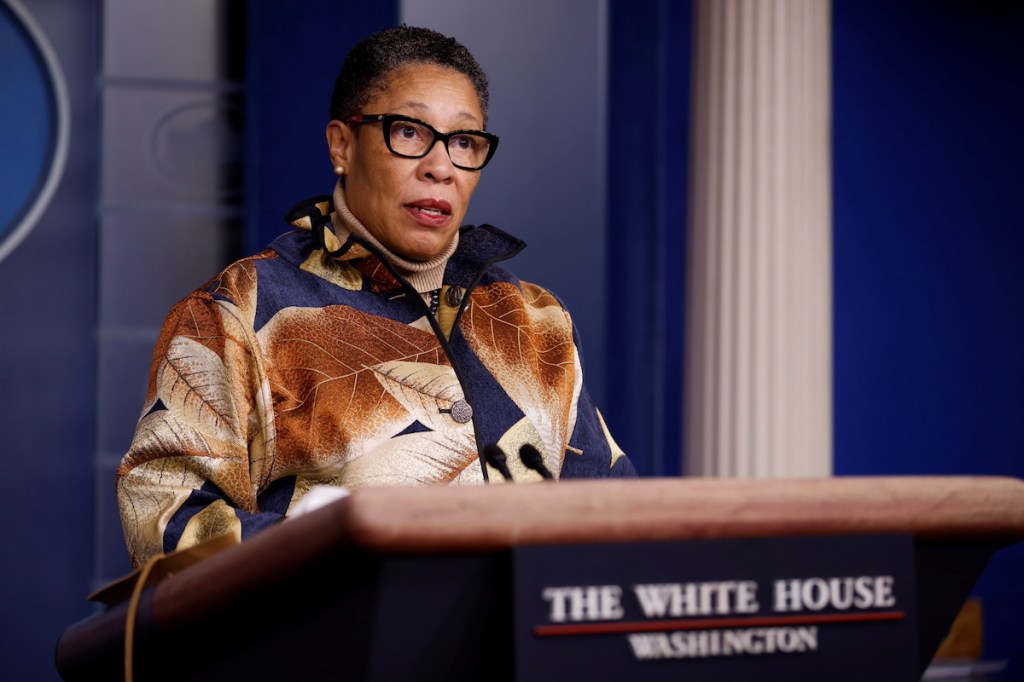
(836, 608)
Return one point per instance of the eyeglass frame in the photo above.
(387, 120)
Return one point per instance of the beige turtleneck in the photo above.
(424, 276)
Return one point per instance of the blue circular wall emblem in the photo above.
(35, 129)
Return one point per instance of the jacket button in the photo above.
(453, 296)
(462, 411)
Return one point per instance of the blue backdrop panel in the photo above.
(47, 322)
(295, 50)
(929, 242)
(28, 121)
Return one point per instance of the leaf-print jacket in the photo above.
(308, 365)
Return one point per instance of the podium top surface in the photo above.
(430, 519)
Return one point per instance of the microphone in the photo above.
(495, 456)
(533, 460)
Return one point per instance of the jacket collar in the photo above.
(478, 248)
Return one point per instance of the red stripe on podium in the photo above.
(712, 623)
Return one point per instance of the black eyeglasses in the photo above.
(413, 139)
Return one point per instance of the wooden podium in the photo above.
(419, 583)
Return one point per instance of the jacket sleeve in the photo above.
(592, 452)
(198, 465)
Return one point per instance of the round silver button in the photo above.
(462, 411)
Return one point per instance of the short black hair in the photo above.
(366, 67)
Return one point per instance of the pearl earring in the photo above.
(339, 170)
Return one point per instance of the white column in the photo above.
(759, 322)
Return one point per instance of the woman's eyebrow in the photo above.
(421, 107)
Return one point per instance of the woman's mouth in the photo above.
(430, 211)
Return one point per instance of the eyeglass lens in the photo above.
(409, 138)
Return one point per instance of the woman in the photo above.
(377, 344)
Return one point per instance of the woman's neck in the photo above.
(424, 276)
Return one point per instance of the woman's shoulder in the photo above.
(236, 285)
(237, 282)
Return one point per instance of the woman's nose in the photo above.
(437, 164)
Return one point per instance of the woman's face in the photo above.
(413, 206)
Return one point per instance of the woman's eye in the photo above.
(407, 132)
(462, 142)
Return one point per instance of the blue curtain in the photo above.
(648, 150)
(294, 52)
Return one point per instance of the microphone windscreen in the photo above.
(534, 460)
(495, 456)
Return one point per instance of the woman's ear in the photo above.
(339, 143)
